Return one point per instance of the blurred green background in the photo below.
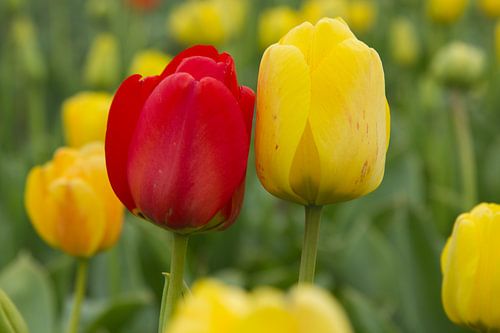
(378, 254)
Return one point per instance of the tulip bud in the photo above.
(149, 62)
(70, 202)
(361, 15)
(177, 143)
(28, 52)
(459, 65)
(405, 46)
(214, 307)
(102, 67)
(446, 11)
(11, 320)
(490, 8)
(471, 273)
(274, 24)
(322, 127)
(84, 118)
(314, 10)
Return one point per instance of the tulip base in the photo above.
(174, 282)
(310, 245)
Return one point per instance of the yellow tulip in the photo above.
(149, 63)
(471, 269)
(490, 8)
(84, 117)
(405, 45)
(274, 23)
(361, 15)
(216, 308)
(102, 67)
(71, 204)
(446, 11)
(322, 127)
(207, 21)
(314, 10)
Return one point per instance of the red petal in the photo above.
(200, 67)
(123, 114)
(189, 151)
(233, 207)
(230, 76)
(247, 103)
(197, 50)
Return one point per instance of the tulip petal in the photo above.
(349, 110)
(247, 105)
(200, 67)
(284, 94)
(197, 50)
(125, 109)
(189, 151)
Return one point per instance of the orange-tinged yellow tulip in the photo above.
(446, 11)
(274, 23)
(322, 127)
(216, 308)
(149, 63)
(361, 15)
(490, 8)
(84, 117)
(471, 269)
(71, 204)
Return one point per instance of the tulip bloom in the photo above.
(446, 11)
(84, 118)
(490, 8)
(70, 202)
(471, 270)
(149, 62)
(322, 117)
(177, 143)
(274, 23)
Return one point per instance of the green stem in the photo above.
(310, 246)
(81, 283)
(466, 152)
(174, 283)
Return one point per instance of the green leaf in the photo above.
(11, 320)
(29, 288)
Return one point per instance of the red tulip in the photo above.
(177, 144)
(145, 5)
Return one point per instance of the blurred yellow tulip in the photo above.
(216, 308)
(446, 11)
(103, 65)
(405, 45)
(471, 269)
(84, 117)
(361, 15)
(274, 23)
(207, 21)
(71, 204)
(322, 127)
(149, 63)
(490, 8)
(314, 10)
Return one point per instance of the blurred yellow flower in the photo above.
(490, 8)
(322, 128)
(102, 67)
(361, 15)
(314, 10)
(274, 23)
(149, 63)
(405, 45)
(216, 308)
(84, 117)
(446, 11)
(471, 269)
(207, 21)
(71, 204)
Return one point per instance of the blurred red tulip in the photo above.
(144, 4)
(177, 144)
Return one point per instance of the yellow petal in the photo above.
(348, 118)
(78, 216)
(284, 93)
(268, 318)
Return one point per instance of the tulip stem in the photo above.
(81, 285)
(465, 151)
(310, 246)
(174, 282)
